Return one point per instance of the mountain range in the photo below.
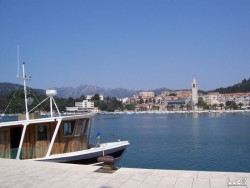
(76, 92)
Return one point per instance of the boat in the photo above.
(57, 138)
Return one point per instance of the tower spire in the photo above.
(194, 94)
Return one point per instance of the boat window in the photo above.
(78, 127)
(68, 128)
(86, 127)
(42, 133)
(83, 125)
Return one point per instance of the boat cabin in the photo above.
(37, 142)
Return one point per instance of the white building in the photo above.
(213, 98)
(217, 98)
(83, 106)
(243, 98)
(124, 100)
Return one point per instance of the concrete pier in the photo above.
(16, 173)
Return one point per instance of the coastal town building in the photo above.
(147, 94)
(184, 93)
(187, 100)
(178, 104)
(214, 98)
(243, 98)
(83, 106)
(217, 98)
(166, 93)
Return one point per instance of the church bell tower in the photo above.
(194, 94)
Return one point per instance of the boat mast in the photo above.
(18, 61)
(24, 78)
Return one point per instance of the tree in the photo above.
(231, 105)
(202, 104)
(172, 94)
(214, 106)
(82, 98)
(114, 105)
(240, 105)
(130, 106)
(141, 101)
(96, 97)
(70, 102)
(221, 105)
(103, 105)
(188, 106)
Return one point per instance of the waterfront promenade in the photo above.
(16, 173)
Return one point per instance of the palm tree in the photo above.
(221, 105)
(188, 106)
(214, 106)
(231, 105)
(198, 105)
(202, 104)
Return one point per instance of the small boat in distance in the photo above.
(57, 138)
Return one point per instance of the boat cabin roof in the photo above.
(45, 120)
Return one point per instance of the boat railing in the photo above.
(26, 153)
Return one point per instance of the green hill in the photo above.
(244, 86)
(7, 88)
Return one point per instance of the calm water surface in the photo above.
(211, 141)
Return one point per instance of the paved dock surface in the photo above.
(16, 173)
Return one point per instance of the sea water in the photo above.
(205, 141)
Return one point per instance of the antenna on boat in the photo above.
(17, 61)
(24, 78)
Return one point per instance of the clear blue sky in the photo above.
(134, 44)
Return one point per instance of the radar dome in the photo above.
(51, 92)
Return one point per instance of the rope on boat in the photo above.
(40, 103)
(9, 103)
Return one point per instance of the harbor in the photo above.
(19, 173)
(125, 94)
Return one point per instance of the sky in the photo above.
(133, 44)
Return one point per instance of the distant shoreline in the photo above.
(156, 112)
(177, 112)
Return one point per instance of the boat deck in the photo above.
(16, 173)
